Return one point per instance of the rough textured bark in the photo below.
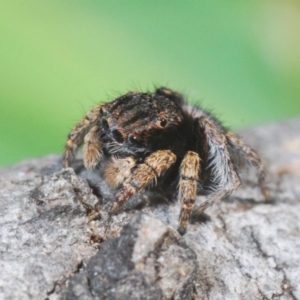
(59, 242)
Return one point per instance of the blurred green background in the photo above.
(240, 59)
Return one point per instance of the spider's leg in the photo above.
(147, 172)
(224, 178)
(251, 155)
(118, 169)
(189, 171)
(76, 136)
(212, 198)
(92, 151)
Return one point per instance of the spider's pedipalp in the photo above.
(250, 155)
(118, 169)
(76, 136)
(189, 171)
(147, 172)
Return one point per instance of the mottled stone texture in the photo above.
(147, 261)
(57, 240)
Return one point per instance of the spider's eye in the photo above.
(105, 125)
(132, 139)
(163, 122)
(117, 135)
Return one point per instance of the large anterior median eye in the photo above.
(132, 139)
(117, 135)
(163, 122)
(104, 125)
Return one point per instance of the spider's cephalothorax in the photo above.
(157, 137)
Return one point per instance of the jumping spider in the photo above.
(156, 140)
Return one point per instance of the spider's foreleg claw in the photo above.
(115, 209)
(123, 195)
(181, 230)
(266, 192)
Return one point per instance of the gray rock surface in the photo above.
(57, 240)
(147, 261)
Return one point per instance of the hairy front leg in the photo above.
(76, 136)
(146, 173)
(92, 151)
(224, 178)
(189, 171)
